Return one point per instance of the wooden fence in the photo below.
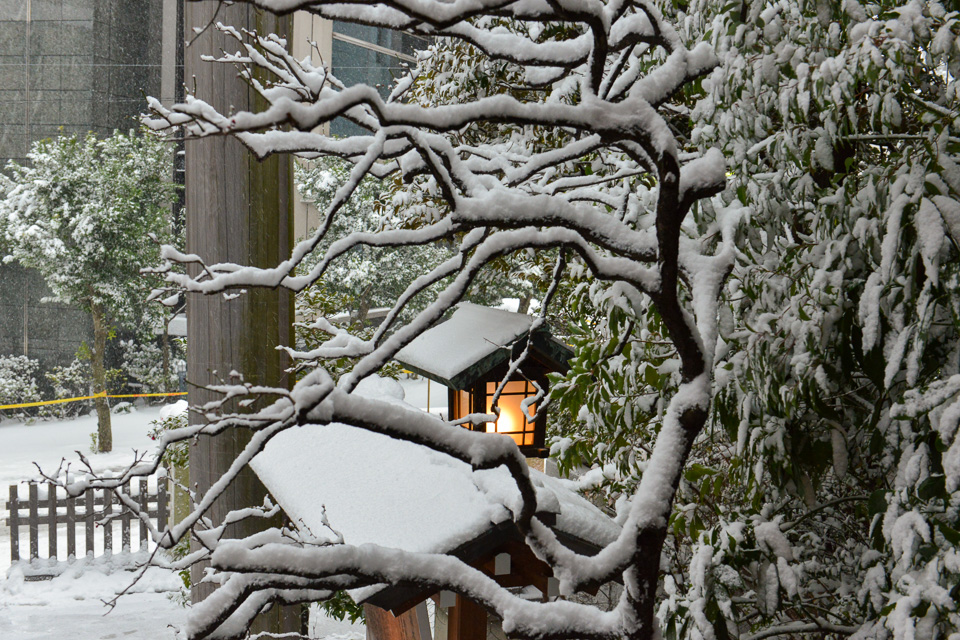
(96, 513)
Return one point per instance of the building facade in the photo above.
(355, 54)
(70, 67)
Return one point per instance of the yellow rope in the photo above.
(102, 394)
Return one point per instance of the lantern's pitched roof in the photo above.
(374, 489)
(474, 341)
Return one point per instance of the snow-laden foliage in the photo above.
(822, 498)
(143, 362)
(365, 277)
(83, 213)
(71, 381)
(18, 382)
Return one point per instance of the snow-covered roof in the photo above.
(474, 340)
(374, 489)
(177, 326)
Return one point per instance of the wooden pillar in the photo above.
(409, 625)
(466, 620)
(238, 210)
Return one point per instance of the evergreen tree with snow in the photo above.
(82, 213)
(823, 499)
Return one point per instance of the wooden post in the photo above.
(108, 522)
(71, 527)
(124, 519)
(34, 523)
(14, 523)
(88, 511)
(143, 501)
(52, 521)
(466, 621)
(239, 210)
(383, 625)
(162, 502)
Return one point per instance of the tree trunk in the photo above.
(99, 369)
(166, 356)
(238, 210)
(524, 305)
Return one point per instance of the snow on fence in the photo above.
(96, 514)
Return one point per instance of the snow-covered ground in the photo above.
(72, 605)
(424, 394)
(48, 442)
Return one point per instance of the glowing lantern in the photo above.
(471, 353)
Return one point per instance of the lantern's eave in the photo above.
(463, 379)
(556, 354)
(471, 342)
(544, 347)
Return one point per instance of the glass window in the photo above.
(394, 40)
(352, 65)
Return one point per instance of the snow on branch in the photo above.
(568, 152)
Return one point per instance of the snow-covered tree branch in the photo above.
(569, 151)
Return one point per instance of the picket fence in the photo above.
(96, 513)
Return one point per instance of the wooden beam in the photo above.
(466, 621)
(383, 625)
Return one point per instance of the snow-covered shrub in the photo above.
(122, 407)
(570, 166)
(18, 383)
(172, 416)
(827, 474)
(72, 381)
(143, 362)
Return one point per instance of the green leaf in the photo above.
(951, 534)
(696, 471)
(932, 487)
(877, 502)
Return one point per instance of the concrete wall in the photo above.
(53, 331)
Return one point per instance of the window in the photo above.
(369, 55)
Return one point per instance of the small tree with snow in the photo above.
(365, 277)
(81, 213)
(369, 277)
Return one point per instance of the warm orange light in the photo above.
(512, 422)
